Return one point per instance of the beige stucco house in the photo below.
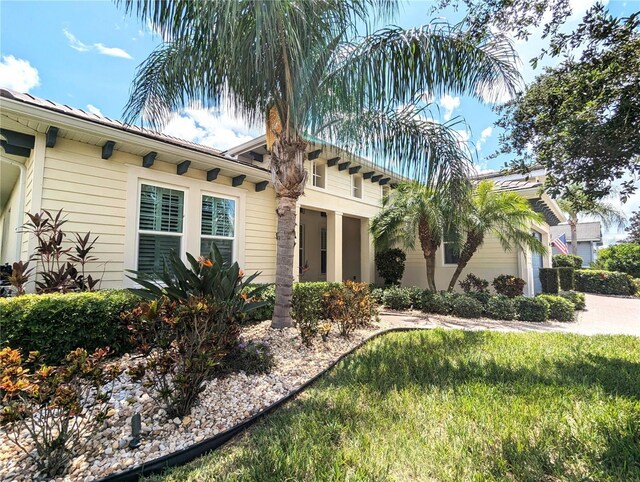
(144, 193)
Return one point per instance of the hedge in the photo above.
(549, 280)
(604, 282)
(501, 307)
(466, 307)
(55, 324)
(578, 299)
(560, 309)
(566, 261)
(567, 277)
(532, 309)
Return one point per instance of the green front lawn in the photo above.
(453, 405)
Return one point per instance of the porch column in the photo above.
(367, 256)
(334, 246)
(296, 251)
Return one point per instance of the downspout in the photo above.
(21, 200)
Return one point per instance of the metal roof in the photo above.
(588, 231)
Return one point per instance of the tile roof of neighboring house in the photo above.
(516, 185)
(106, 121)
(590, 231)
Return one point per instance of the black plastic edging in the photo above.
(185, 455)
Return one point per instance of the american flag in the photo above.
(561, 243)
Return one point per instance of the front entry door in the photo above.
(536, 263)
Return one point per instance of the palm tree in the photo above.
(575, 204)
(413, 211)
(505, 214)
(304, 68)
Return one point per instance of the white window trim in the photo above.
(443, 257)
(314, 165)
(353, 186)
(233, 238)
(194, 189)
(139, 231)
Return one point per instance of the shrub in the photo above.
(482, 296)
(60, 269)
(349, 306)
(560, 308)
(604, 282)
(377, 295)
(250, 357)
(567, 278)
(268, 296)
(500, 307)
(566, 261)
(624, 258)
(473, 283)
(435, 303)
(396, 298)
(390, 265)
(549, 280)
(190, 328)
(415, 295)
(56, 407)
(55, 324)
(532, 309)
(466, 307)
(362, 306)
(307, 311)
(578, 299)
(509, 285)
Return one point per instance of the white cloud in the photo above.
(76, 44)
(18, 74)
(484, 135)
(216, 128)
(112, 51)
(493, 95)
(94, 110)
(449, 103)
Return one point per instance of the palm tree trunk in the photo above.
(289, 177)
(471, 245)
(573, 223)
(429, 248)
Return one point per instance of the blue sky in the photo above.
(84, 54)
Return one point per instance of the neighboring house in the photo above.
(589, 239)
(144, 193)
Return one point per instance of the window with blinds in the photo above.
(160, 227)
(218, 220)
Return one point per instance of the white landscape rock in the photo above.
(224, 403)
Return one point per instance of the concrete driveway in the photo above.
(605, 315)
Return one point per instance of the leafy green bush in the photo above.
(473, 283)
(509, 285)
(396, 298)
(189, 326)
(466, 307)
(390, 265)
(268, 295)
(549, 280)
(560, 308)
(604, 282)
(436, 303)
(578, 299)
(55, 324)
(377, 295)
(566, 261)
(415, 295)
(567, 277)
(624, 258)
(500, 307)
(307, 310)
(532, 309)
(482, 296)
